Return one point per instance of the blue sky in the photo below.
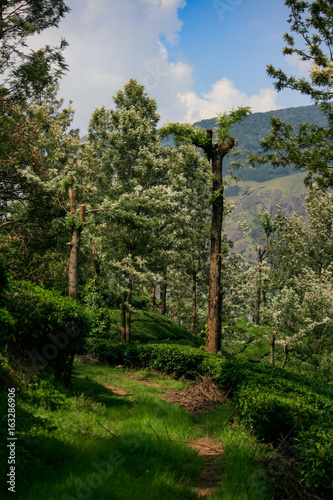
(195, 57)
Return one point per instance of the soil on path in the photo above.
(201, 396)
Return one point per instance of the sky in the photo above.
(196, 58)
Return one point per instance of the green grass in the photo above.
(64, 451)
(150, 327)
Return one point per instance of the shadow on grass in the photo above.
(99, 392)
(132, 467)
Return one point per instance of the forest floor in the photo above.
(199, 397)
(128, 434)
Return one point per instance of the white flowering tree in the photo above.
(126, 160)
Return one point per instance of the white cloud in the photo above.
(224, 96)
(113, 41)
(303, 67)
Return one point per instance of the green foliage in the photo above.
(184, 133)
(43, 328)
(29, 73)
(278, 404)
(225, 121)
(167, 358)
(3, 280)
(311, 146)
(147, 327)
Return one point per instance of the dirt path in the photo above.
(203, 396)
(209, 480)
(118, 390)
(199, 397)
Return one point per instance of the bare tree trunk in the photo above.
(74, 243)
(123, 319)
(153, 299)
(194, 301)
(129, 315)
(216, 153)
(286, 349)
(271, 348)
(163, 298)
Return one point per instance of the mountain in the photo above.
(251, 198)
(255, 127)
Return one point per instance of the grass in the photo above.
(154, 327)
(93, 443)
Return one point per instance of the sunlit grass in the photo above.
(96, 444)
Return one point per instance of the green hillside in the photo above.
(255, 127)
(251, 198)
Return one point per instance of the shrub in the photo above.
(168, 358)
(43, 327)
(277, 405)
(103, 324)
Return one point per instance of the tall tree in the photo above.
(215, 152)
(124, 152)
(190, 176)
(20, 19)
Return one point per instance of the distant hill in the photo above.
(255, 127)
(251, 198)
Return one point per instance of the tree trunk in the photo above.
(257, 306)
(194, 301)
(263, 297)
(271, 348)
(95, 258)
(129, 315)
(163, 298)
(74, 243)
(153, 299)
(286, 350)
(123, 319)
(216, 153)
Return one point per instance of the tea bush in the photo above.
(278, 405)
(43, 328)
(168, 358)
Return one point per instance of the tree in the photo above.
(189, 175)
(215, 152)
(18, 20)
(124, 156)
(310, 147)
(263, 252)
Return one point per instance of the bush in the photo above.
(103, 324)
(43, 327)
(278, 405)
(172, 359)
